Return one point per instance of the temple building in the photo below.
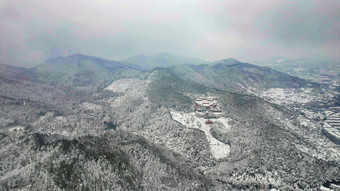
(207, 107)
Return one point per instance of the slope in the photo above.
(114, 160)
(270, 146)
(10, 73)
(239, 77)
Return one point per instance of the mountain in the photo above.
(227, 61)
(123, 163)
(162, 60)
(240, 77)
(83, 70)
(14, 74)
(140, 132)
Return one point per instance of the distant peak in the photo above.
(77, 58)
(68, 56)
(227, 61)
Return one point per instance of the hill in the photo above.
(227, 61)
(239, 77)
(15, 74)
(82, 70)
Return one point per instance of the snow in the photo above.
(325, 189)
(90, 106)
(60, 119)
(131, 89)
(288, 95)
(123, 85)
(250, 90)
(218, 149)
(12, 173)
(17, 128)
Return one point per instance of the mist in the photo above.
(34, 30)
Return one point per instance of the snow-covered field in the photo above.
(90, 106)
(123, 85)
(289, 95)
(218, 149)
(131, 89)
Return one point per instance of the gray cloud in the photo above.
(34, 30)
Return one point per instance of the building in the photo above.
(207, 107)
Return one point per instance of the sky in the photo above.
(32, 31)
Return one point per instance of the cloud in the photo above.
(34, 30)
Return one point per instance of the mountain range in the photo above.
(85, 123)
(228, 74)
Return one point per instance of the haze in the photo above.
(34, 30)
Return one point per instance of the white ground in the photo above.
(90, 106)
(10, 174)
(17, 128)
(123, 85)
(218, 149)
(131, 89)
(288, 95)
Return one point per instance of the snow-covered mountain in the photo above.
(133, 129)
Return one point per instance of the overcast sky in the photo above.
(34, 30)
